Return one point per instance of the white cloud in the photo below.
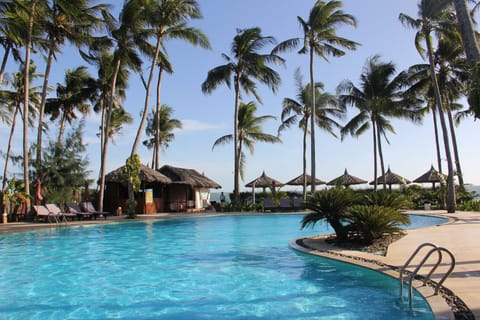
(196, 125)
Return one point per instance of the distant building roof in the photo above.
(188, 176)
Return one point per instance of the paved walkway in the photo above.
(461, 236)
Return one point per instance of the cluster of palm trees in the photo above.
(114, 46)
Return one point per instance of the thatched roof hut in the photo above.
(146, 175)
(263, 181)
(346, 180)
(189, 177)
(391, 178)
(298, 181)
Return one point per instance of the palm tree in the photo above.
(72, 96)
(249, 132)
(164, 136)
(298, 111)
(64, 20)
(12, 28)
(13, 101)
(320, 38)
(467, 31)
(378, 98)
(246, 66)
(168, 18)
(129, 34)
(434, 16)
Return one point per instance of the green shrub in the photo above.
(372, 222)
(470, 205)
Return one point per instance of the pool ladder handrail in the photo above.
(412, 275)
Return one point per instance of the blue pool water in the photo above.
(232, 267)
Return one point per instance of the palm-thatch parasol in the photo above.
(146, 175)
(391, 178)
(298, 181)
(432, 176)
(346, 180)
(263, 181)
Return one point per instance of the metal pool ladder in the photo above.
(411, 276)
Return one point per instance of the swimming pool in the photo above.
(231, 267)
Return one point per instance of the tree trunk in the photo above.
(157, 125)
(305, 161)
(468, 31)
(147, 99)
(312, 124)
(61, 130)
(4, 62)
(374, 129)
(437, 139)
(26, 101)
(9, 147)
(236, 178)
(106, 135)
(41, 114)
(451, 201)
(455, 150)
(380, 155)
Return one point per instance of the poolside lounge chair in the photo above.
(297, 203)
(75, 209)
(58, 212)
(88, 207)
(285, 204)
(268, 204)
(41, 212)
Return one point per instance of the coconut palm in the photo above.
(434, 16)
(13, 100)
(165, 134)
(72, 96)
(245, 67)
(320, 38)
(129, 34)
(168, 18)
(467, 31)
(12, 28)
(298, 111)
(379, 97)
(62, 21)
(249, 132)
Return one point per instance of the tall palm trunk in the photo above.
(455, 149)
(141, 126)
(312, 123)
(236, 178)
(9, 147)
(451, 202)
(42, 109)
(4, 62)
(468, 31)
(61, 130)
(106, 134)
(26, 100)
(437, 139)
(380, 155)
(305, 161)
(374, 133)
(157, 125)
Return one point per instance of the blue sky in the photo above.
(206, 117)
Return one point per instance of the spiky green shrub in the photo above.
(372, 222)
(330, 205)
(386, 198)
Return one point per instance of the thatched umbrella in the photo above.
(263, 181)
(188, 176)
(391, 178)
(146, 175)
(346, 180)
(298, 181)
(432, 176)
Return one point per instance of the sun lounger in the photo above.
(75, 209)
(43, 213)
(58, 212)
(88, 207)
(268, 204)
(285, 204)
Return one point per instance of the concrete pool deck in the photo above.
(461, 236)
